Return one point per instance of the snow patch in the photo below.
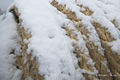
(8, 43)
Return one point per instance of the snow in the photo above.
(104, 12)
(49, 43)
(115, 46)
(86, 20)
(8, 42)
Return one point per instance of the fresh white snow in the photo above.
(8, 42)
(49, 43)
(104, 12)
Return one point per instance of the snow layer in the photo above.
(8, 43)
(104, 12)
(49, 42)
